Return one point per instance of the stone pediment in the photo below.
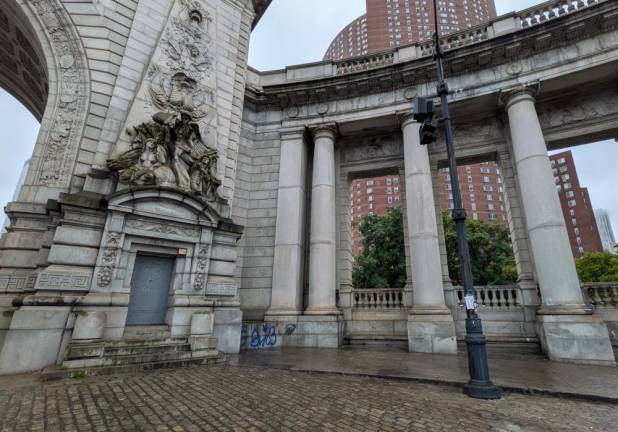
(167, 204)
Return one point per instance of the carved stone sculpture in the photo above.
(170, 149)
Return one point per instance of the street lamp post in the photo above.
(480, 385)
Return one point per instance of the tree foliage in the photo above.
(491, 253)
(382, 262)
(597, 267)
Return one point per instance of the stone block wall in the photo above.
(256, 204)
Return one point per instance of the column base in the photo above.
(431, 330)
(322, 311)
(575, 338)
(303, 331)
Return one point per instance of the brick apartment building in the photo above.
(394, 23)
(374, 195)
(576, 206)
(481, 191)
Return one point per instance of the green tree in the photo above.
(382, 262)
(597, 267)
(491, 254)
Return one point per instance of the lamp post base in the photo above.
(479, 386)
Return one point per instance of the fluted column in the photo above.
(287, 287)
(430, 324)
(566, 326)
(323, 241)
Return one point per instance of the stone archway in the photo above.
(45, 68)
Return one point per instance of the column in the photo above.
(287, 286)
(567, 329)
(430, 323)
(323, 243)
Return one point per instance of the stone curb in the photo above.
(453, 383)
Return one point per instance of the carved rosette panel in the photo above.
(201, 267)
(61, 142)
(108, 259)
(370, 149)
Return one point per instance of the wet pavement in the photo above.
(519, 373)
(237, 399)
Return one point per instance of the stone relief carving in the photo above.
(201, 269)
(587, 108)
(61, 142)
(378, 147)
(178, 146)
(108, 259)
(162, 228)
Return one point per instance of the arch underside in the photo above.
(23, 71)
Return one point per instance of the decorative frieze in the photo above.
(17, 282)
(162, 228)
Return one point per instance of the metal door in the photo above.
(150, 285)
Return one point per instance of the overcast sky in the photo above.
(295, 32)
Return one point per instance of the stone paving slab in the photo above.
(530, 374)
(251, 399)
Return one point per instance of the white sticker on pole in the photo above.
(470, 302)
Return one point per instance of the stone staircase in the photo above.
(111, 357)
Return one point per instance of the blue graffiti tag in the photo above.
(268, 338)
(243, 335)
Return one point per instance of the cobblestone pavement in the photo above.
(252, 399)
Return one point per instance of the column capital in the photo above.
(510, 96)
(292, 133)
(405, 118)
(328, 130)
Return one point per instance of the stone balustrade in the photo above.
(357, 64)
(378, 298)
(552, 9)
(497, 27)
(601, 294)
(499, 296)
(456, 40)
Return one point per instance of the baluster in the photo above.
(482, 292)
(497, 293)
(460, 296)
(491, 297)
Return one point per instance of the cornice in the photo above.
(506, 49)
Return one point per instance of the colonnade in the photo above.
(567, 329)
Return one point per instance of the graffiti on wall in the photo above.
(263, 335)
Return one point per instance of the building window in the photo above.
(451, 206)
(488, 188)
(370, 206)
(564, 169)
(388, 181)
(490, 197)
(486, 179)
(572, 203)
(567, 186)
(390, 199)
(492, 216)
(369, 190)
(566, 177)
(570, 194)
(389, 190)
(470, 188)
(475, 216)
(491, 207)
(369, 183)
